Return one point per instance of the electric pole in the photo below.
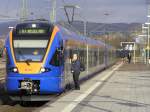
(71, 7)
(53, 11)
(24, 12)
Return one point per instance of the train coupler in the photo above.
(28, 87)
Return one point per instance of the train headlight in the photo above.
(45, 70)
(14, 69)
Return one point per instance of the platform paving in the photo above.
(127, 89)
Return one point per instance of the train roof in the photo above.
(29, 23)
(67, 34)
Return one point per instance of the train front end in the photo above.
(33, 65)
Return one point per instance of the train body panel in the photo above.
(48, 85)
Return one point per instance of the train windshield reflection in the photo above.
(33, 50)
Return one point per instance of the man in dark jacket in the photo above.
(129, 57)
(75, 70)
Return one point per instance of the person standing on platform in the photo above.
(123, 55)
(76, 68)
(129, 57)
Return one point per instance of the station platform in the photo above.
(121, 88)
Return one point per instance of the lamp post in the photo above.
(87, 47)
(145, 31)
(53, 11)
(106, 42)
(148, 41)
(73, 7)
(24, 12)
(142, 44)
(85, 27)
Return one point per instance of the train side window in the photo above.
(57, 59)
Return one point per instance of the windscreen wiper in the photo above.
(28, 61)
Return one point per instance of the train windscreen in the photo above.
(30, 44)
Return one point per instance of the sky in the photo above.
(125, 11)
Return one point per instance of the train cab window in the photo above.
(31, 43)
(57, 59)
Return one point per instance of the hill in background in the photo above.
(101, 28)
(78, 26)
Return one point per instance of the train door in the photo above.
(61, 63)
(67, 65)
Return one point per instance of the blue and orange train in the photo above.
(39, 54)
